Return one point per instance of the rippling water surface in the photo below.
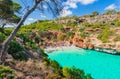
(99, 65)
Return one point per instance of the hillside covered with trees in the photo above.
(27, 48)
(22, 54)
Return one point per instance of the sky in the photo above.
(71, 8)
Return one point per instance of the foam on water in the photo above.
(99, 65)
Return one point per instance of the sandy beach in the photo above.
(51, 49)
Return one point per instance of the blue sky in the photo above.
(73, 7)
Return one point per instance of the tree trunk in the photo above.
(3, 25)
(3, 51)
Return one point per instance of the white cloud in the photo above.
(30, 20)
(86, 2)
(70, 4)
(42, 15)
(111, 7)
(45, 7)
(66, 12)
(73, 4)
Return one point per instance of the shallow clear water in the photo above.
(99, 65)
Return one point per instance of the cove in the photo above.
(99, 65)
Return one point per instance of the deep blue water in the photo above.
(99, 65)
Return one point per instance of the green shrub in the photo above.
(70, 23)
(8, 31)
(68, 35)
(83, 35)
(6, 72)
(16, 50)
(54, 38)
(20, 55)
(14, 47)
(45, 63)
(45, 26)
(74, 73)
(65, 72)
(24, 37)
(86, 24)
(2, 37)
(103, 39)
(117, 38)
(37, 39)
(62, 37)
(33, 46)
(53, 76)
(105, 35)
(56, 66)
(99, 25)
(82, 29)
(117, 23)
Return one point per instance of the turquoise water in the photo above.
(99, 65)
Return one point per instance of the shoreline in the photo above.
(51, 49)
(67, 45)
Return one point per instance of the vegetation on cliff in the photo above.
(24, 49)
(28, 58)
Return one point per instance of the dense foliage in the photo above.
(65, 72)
(74, 73)
(6, 72)
(2, 37)
(30, 37)
(16, 50)
(117, 38)
(105, 34)
(8, 10)
(42, 26)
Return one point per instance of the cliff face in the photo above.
(53, 38)
(96, 32)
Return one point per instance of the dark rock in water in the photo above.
(108, 50)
